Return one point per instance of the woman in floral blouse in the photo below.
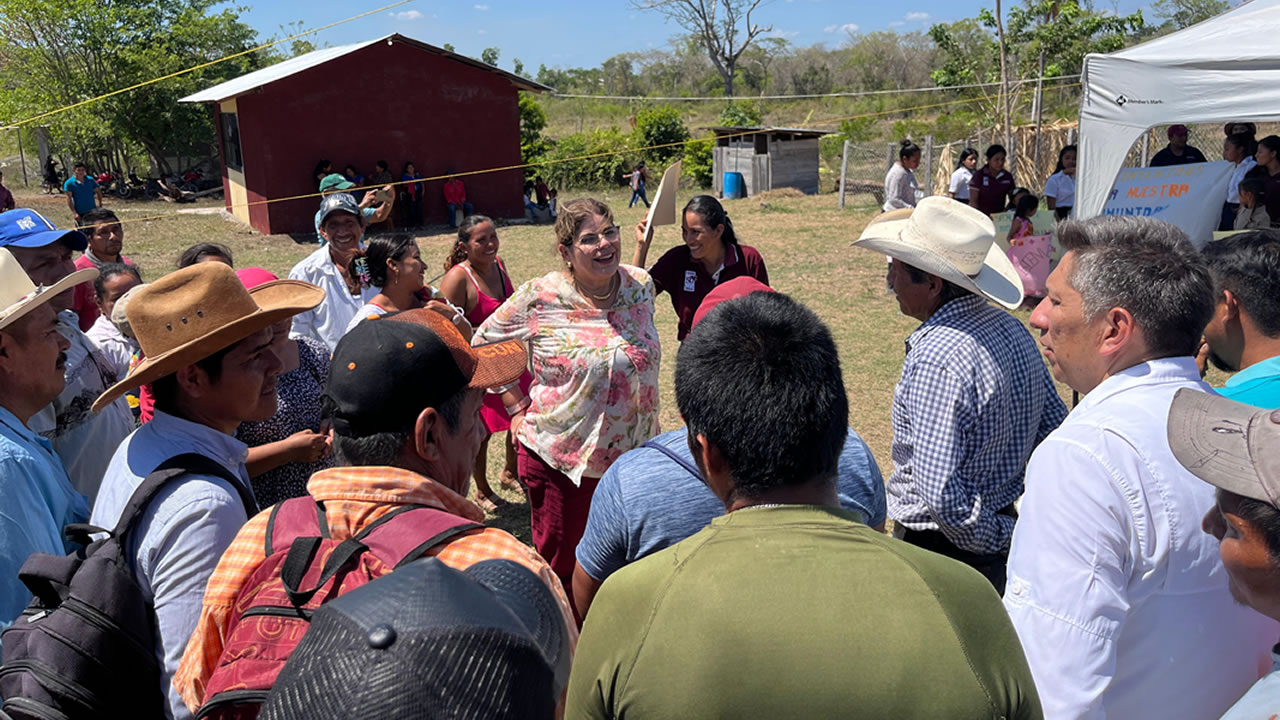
(595, 356)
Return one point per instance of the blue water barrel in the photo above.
(735, 187)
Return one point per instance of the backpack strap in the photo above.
(175, 467)
(693, 469)
(295, 518)
(397, 537)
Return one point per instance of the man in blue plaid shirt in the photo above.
(975, 397)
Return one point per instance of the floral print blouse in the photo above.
(595, 372)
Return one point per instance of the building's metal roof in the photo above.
(735, 129)
(292, 66)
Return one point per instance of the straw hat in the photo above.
(193, 313)
(951, 240)
(19, 296)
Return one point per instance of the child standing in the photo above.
(1025, 207)
(1252, 214)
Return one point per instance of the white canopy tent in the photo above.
(1225, 68)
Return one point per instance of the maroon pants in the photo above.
(558, 512)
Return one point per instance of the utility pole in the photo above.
(1004, 74)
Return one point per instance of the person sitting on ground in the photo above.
(286, 449)
(476, 281)
(958, 187)
(823, 612)
(83, 192)
(1060, 188)
(710, 255)
(206, 252)
(529, 204)
(396, 444)
(1177, 152)
(991, 184)
(1104, 560)
(329, 268)
(369, 207)
(1252, 213)
(39, 499)
(654, 497)
(1244, 465)
(382, 173)
(900, 184)
(974, 398)
(392, 265)
(1023, 211)
(84, 440)
(106, 240)
(6, 197)
(455, 198)
(1239, 151)
(209, 374)
(1243, 337)
(113, 281)
(541, 191)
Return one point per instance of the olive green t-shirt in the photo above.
(798, 611)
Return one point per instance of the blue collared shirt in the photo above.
(974, 400)
(1257, 385)
(176, 544)
(38, 502)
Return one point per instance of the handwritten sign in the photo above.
(1189, 196)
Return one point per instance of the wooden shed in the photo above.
(767, 157)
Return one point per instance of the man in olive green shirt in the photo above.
(788, 606)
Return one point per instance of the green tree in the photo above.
(1179, 14)
(489, 56)
(723, 28)
(517, 67)
(449, 47)
(662, 125)
(698, 160)
(740, 114)
(533, 146)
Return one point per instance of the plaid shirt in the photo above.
(974, 400)
(353, 497)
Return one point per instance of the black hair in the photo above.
(98, 215)
(377, 251)
(1248, 264)
(165, 389)
(79, 165)
(950, 290)
(465, 228)
(907, 149)
(965, 154)
(106, 271)
(1027, 206)
(1061, 154)
(760, 377)
(1247, 144)
(1265, 518)
(381, 164)
(713, 214)
(1013, 197)
(197, 252)
(1271, 142)
(384, 448)
(352, 168)
(1256, 185)
(407, 163)
(995, 150)
(320, 166)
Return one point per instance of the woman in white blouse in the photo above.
(1237, 149)
(1060, 188)
(900, 183)
(958, 188)
(595, 355)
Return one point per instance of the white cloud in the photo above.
(785, 34)
(917, 16)
(896, 23)
(482, 7)
(482, 31)
(846, 28)
(407, 15)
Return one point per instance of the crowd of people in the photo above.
(285, 465)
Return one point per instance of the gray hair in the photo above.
(385, 448)
(1147, 267)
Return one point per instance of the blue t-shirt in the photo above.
(1257, 385)
(646, 501)
(82, 193)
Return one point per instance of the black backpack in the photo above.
(86, 646)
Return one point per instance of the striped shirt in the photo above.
(974, 400)
(353, 497)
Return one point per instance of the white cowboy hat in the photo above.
(19, 296)
(951, 240)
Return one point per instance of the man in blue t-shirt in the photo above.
(82, 192)
(1244, 334)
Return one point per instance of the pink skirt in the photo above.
(494, 413)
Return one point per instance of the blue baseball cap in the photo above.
(29, 229)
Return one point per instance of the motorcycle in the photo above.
(106, 181)
(131, 186)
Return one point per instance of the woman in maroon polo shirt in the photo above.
(990, 185)
(709, 256)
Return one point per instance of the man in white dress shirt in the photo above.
(1120, 601)
(342, 225)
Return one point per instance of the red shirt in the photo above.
(993, 191)
(455, 193)
(85, 304)
(688, 282)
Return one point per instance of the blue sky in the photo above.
(583, 33)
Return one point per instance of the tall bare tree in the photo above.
(716, 25)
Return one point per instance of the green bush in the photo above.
(662, 125)
(697, 160)
(568, 168)
(533, 146)
(741, 114)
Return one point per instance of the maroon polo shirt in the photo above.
(993, 190)
(1271, 200)
(688, 282)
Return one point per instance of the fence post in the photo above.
(1146, 148)
(892, 156)
(1011, 154)
(22, 157)
(928, 165)
(844, 170)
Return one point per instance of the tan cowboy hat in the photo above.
(193, 313)
(951, 240)
(19, 296)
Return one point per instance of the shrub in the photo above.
(605, 170)
(697, 160)
(532, 120)
(661, 125)
(740, 114)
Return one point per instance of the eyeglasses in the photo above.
(611, 235)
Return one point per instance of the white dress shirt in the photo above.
(116, 349)
(329, 320)
(1237, 175)
(1118, 596)
(177, 542)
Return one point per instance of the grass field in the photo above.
(804, 241)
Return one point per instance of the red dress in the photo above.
(494, 413)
